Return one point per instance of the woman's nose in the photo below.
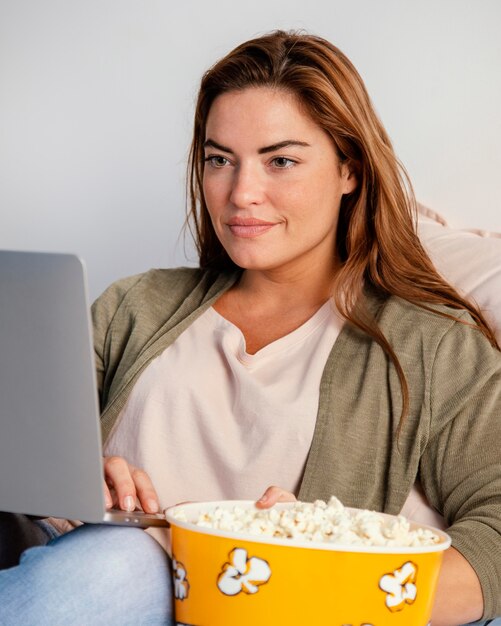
(247, 187)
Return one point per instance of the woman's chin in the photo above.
(254, 265)
(249, 261)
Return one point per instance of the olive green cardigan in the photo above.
(451, 437)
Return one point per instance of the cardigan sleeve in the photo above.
(104, 310)
(461, 464)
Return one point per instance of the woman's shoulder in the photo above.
(157, 292)
(424, 316)
(152, 279)
(425, 329)
(161, 284)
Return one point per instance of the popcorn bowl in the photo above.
(224, 578)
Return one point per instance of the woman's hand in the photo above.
(273, 495)
(128, 487)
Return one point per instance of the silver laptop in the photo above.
(50, 440)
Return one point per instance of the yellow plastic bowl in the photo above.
(235, 579)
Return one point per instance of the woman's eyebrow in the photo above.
(283, 144)
(210, 143)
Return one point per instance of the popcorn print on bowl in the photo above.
(400, 586)
(181, 584)
(243, 574)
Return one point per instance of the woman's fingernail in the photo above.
(130, 503)
(263, 498)
(152, 506)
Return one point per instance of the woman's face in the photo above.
(272, 182)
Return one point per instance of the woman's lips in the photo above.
(249, 227)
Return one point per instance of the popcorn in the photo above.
(319, 521)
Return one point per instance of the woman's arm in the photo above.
(460, 471)
(459, 595)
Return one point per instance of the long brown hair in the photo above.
(377, 243)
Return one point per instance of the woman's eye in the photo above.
(217, 160)
(283, 162)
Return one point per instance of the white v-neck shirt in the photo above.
(208, 421)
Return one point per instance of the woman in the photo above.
(315, 348)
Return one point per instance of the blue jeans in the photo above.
(96, 574)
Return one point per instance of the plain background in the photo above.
(96, 100)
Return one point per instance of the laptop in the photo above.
(50, 439)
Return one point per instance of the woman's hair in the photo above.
(377, 243)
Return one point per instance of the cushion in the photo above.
(468, 259)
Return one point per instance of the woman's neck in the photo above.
(266, 307)
(273, 291)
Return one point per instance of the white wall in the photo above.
(96, 99)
